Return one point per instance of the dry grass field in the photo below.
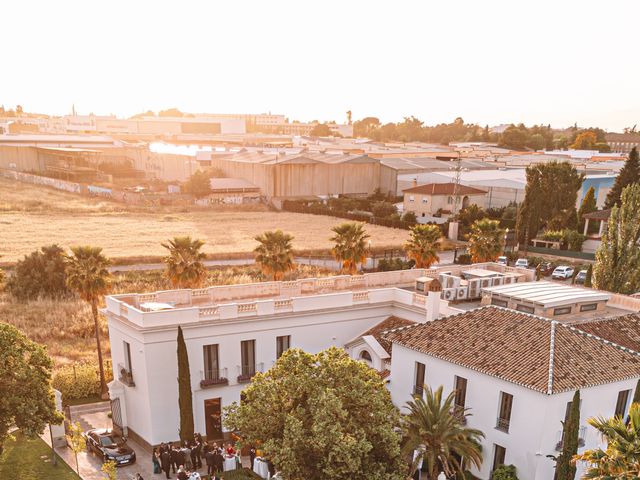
(33, 216)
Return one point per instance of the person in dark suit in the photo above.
(252, 455)
(210, 459)
(218, 460)
(165, 461)
(175, 458)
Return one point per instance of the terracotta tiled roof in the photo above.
(623, 330)
(444, 189)
(537, 353)
(389, 323)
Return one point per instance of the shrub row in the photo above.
(80, 380)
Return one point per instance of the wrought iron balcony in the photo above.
(247, 372)
(582, 435)
(503, 424)
(212, 378)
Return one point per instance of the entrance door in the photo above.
(213, 418)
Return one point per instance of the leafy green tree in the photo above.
(365, 127)
(274, 253)
(109, 469)
(321, 130)
(350, 247)
(629, 174)
(621, 458)
(198, 184)
(27, 400)
(88, 276)
(550, 197)
(184, 264)
(42, 273)
(423, 244)
(76, 442)
(514, 138)
(585, 141)
(588, 281)
(588, 205)
(467, 217)
(565, 467)
(329, 416)
(486, 240)
(617, 267)
(437, 433)
(185, 401)
(504, 472)
(536, 142)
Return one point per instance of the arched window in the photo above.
(366, 356)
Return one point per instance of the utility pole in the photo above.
(456, 185)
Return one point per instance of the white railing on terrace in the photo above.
(260, 299)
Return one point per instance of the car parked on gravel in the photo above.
(562, 272)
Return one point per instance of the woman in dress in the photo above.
(155, 458)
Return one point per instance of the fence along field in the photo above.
(32, 216)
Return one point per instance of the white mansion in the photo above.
(516, 370)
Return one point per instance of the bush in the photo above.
(387, 265)
(42, 273)
(463, 259)
(553, 235)
(79, 381)
(409, 217)
(573, 239)
(383, 209)
(505, 472)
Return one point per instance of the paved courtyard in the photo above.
(95, 416)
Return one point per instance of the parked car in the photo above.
(109, 446)
(522, 263)
(581, 277)
(562, 272)
(502, 261)
(545, 268)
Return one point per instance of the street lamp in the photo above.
(506, 234)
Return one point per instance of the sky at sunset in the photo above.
(490, 62)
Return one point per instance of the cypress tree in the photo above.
(629, 174)
(185, 401)
(588, 205)
(565, 469)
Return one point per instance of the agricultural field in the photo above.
(32, 216)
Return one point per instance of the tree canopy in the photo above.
(629, 174)
(550, 198)
(617, 267)
(321, 130)
(350, 247)
(321, 416)
(198, 184)
(588, 205)
(486, 240)
(274, 253)
(42, 273)
(184, 266)
(423, 243)
(565, 467)
(185, 402)
(27, 400)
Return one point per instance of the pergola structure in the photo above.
(601, 216)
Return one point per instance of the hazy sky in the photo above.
(488, 61)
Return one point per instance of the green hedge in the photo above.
(80, 380)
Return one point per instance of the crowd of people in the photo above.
(186, 459)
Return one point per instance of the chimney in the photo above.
(433, 306)
(415, 182)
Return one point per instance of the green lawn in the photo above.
(25, 458)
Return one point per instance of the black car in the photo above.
(107, 445)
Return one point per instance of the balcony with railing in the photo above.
(418, 390)
(459, 413)
(582, 435)
(247, 372)
(213, 378)
(502, 424)
(125, 375)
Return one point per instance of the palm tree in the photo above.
(423, 245)
(88, 276)
(486, 240)
(184, 262)
(437, 433)
(350, 247)
(621, 459)
(275, 253)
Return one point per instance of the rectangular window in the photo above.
(498, 303)
(588, 307)
(127, 356)
(461, 392)
(562, 311)
(504, 414)
(418, 386)
(621, 403)
(248, 355)
(424, 199)
(411, 198)
(282, 345)
(211, 365)
(524, 308)
(499, 452)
